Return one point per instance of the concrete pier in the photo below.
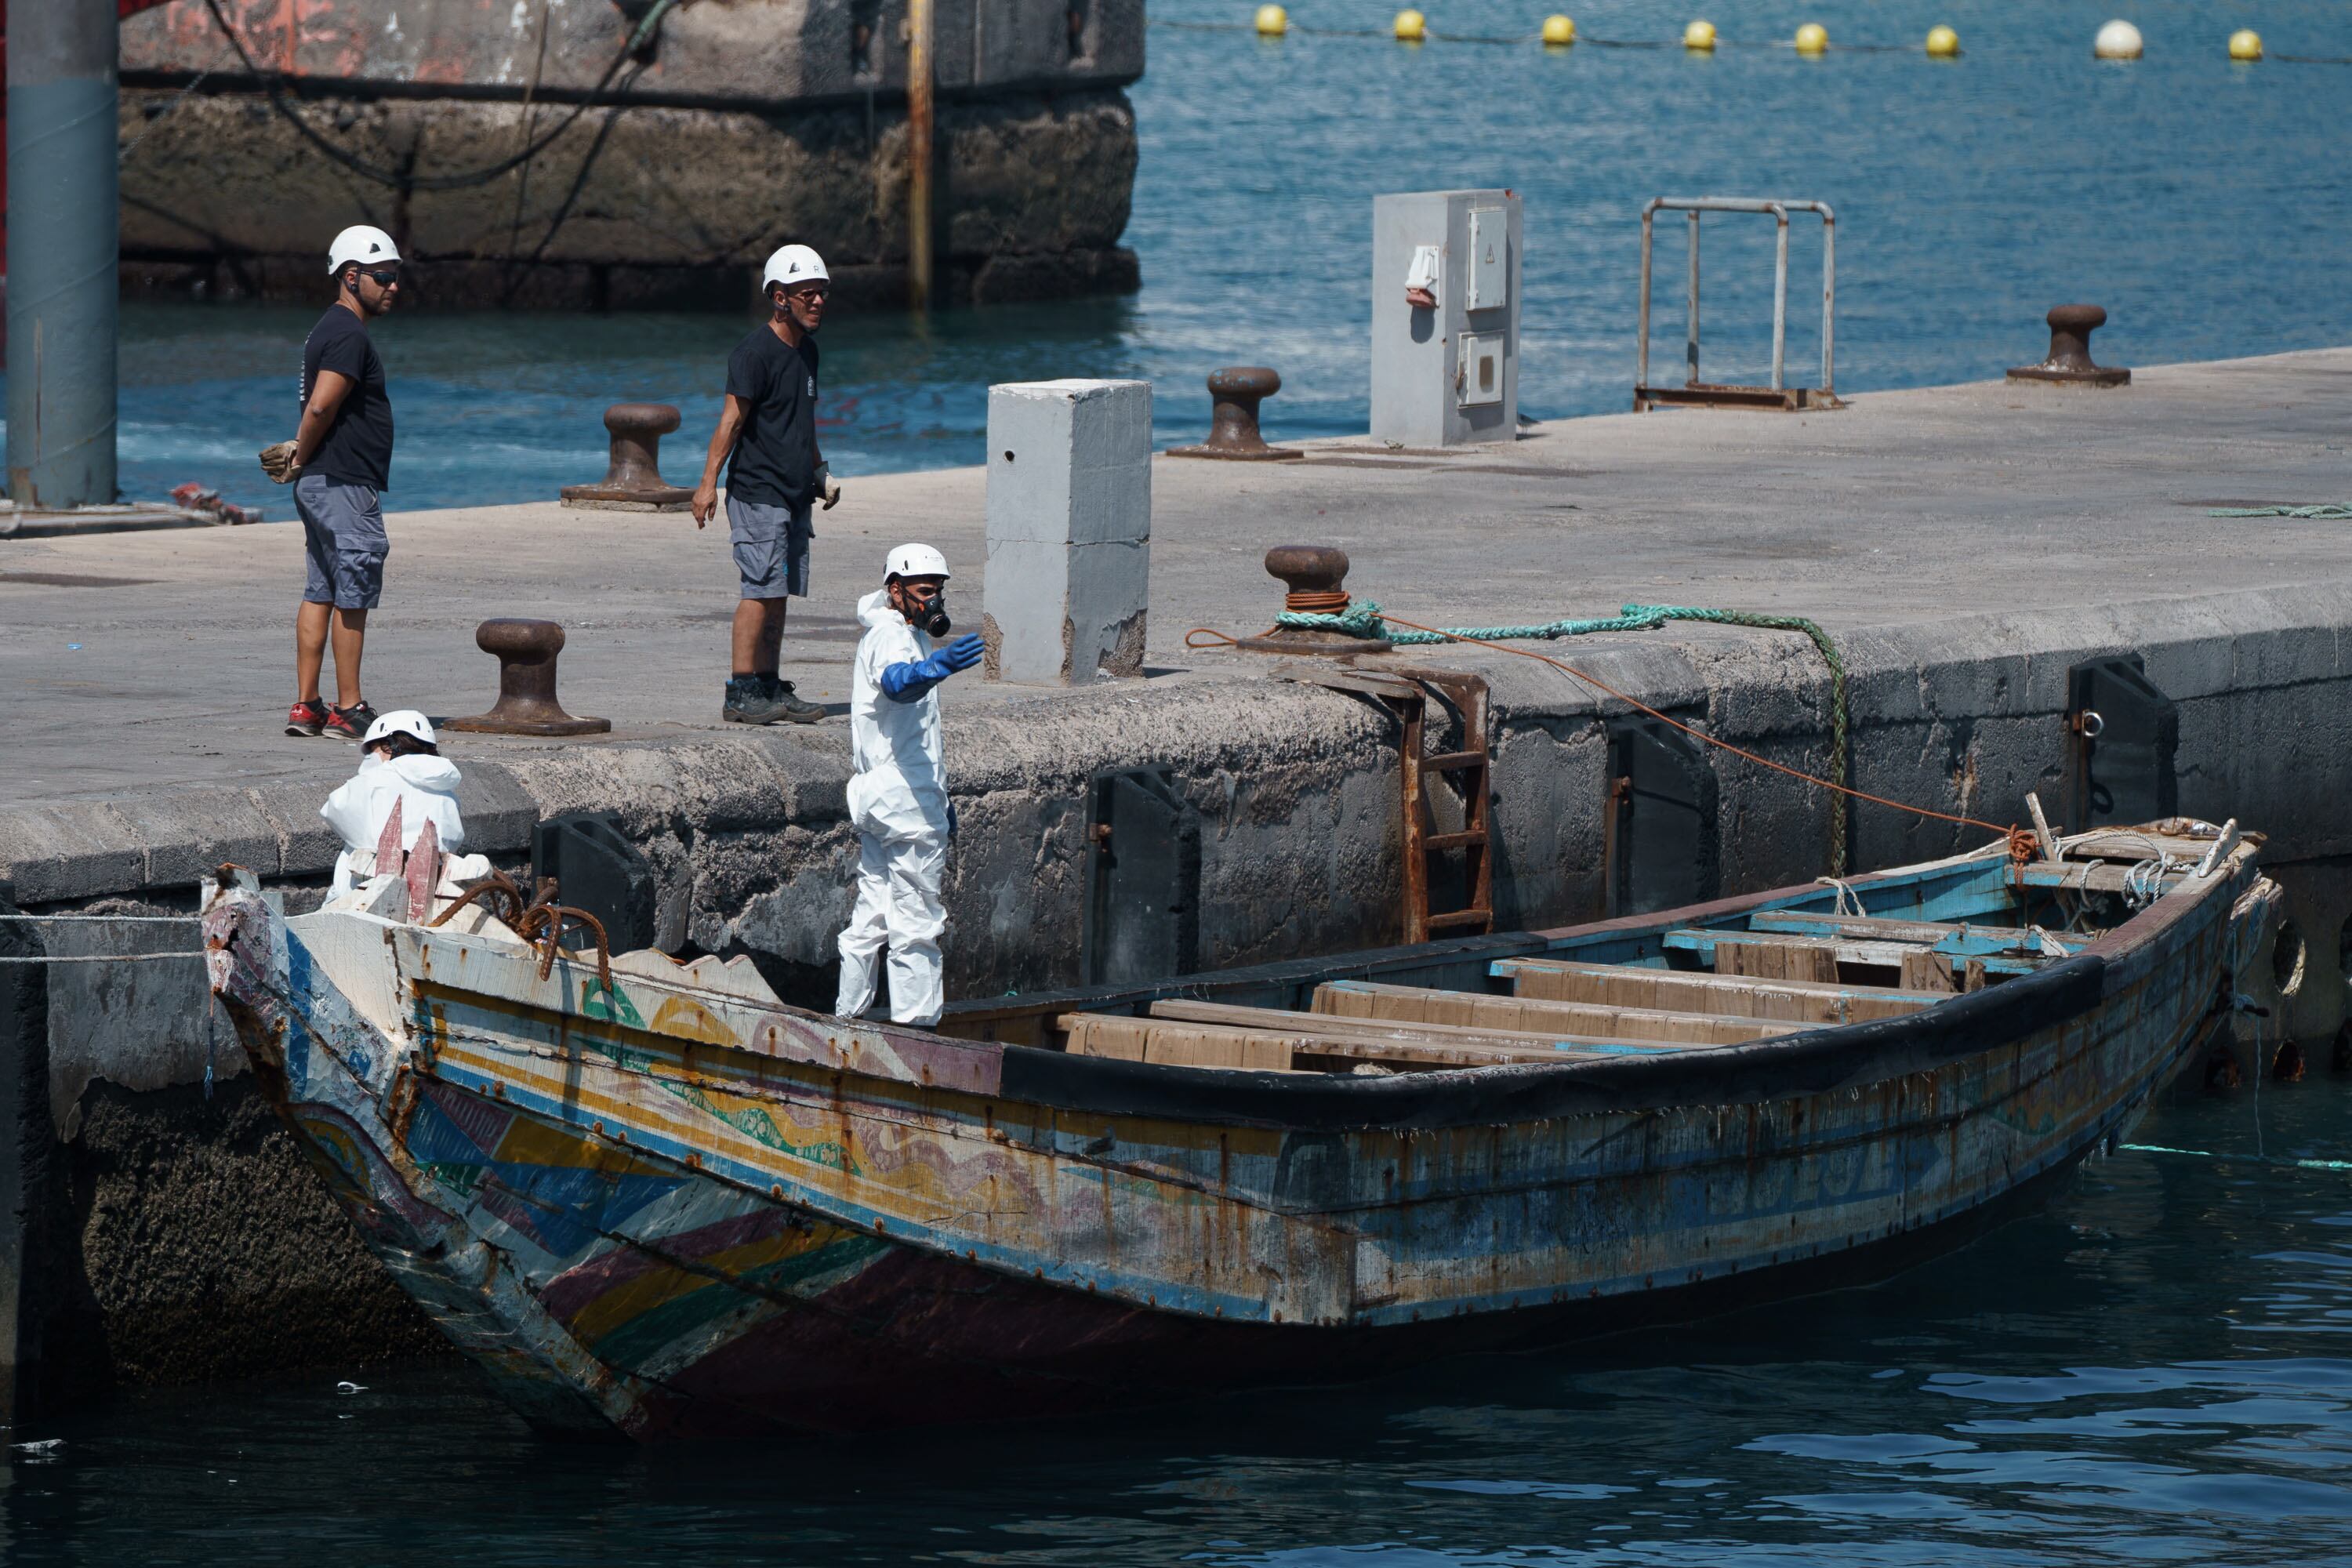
(1971, 550)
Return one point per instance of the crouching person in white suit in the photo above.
(400, 762)
(899, 794)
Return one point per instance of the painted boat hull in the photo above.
(655, 1211)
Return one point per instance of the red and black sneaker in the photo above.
(306, 718)
(349, 723)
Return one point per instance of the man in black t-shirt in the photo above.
(767, 440)
(341, 466)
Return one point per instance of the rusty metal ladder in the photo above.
(1472, 771)
(1405, 692)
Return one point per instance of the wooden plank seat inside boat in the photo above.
(1772, 956)
(1527, 1015)
(1630, 985)
(1961, 939)
(1223, 1035)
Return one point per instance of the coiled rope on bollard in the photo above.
(1366, 619)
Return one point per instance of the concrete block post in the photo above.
(1069, 529)
(1445, 360)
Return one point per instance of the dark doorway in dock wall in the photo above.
(2123, 740)
(1659, 831)
(599, 870)
(1143, 877)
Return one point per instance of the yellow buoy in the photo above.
(1558, 30)
(1699, 35)
(1412, 27)
(2245, 44)
(1812, 38)
(1942, 43)
(1273, 21)
(2118, 40)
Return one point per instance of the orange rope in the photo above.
(1316, 601)
(2022, 845)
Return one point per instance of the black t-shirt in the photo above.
(358, 448)
(776, 454)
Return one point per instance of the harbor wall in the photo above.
(185, 1237)
(734, 129)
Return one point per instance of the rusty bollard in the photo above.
(526, 653)
(1314, 577)
(2071, 327)
(633, 480)
(1234, 393)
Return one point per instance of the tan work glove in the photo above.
(277, 462)
(832, 492)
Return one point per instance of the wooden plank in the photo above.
(1339, 1031)
(1368, 999)
(2109, 878)
(1809, 958)
(1630, 985)
(1956, 939)
(1924, 969)
(1777, 958)
(1142, 1039)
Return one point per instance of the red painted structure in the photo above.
(121, 8)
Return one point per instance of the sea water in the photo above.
(2205, 203)
(2152, 1370)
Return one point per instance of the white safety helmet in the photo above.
(400, 722)
(792, 266)
(914, 561)
(361, 243)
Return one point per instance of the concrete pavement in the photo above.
(134, 662)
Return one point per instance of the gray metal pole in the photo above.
(64, 236)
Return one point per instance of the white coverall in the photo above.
(425, 786)
(898, 803)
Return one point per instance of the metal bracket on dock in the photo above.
(1779, 396)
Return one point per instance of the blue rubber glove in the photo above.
(908, 681)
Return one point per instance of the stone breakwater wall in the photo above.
(172, 1234)
(740, 125)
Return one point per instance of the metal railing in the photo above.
(1778, 394)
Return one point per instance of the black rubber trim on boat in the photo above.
(1807, 1063)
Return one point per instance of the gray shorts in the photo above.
(771, 548)
(344, 542)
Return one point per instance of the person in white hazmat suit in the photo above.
(400, 761)
(899, 794)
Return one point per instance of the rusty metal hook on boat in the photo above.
(539, 923)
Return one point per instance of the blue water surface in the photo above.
(2203, 203)
(2155, 1370)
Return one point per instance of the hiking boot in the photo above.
(306, 718)
(349, 723)
(748, 702)
(797, 710)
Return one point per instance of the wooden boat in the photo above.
(648, 1196)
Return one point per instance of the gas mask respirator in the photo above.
(930, 615)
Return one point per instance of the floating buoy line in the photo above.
(2118, 40)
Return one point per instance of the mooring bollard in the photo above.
(633, 480)
(526, 653)
(1234, 393)
(2069, 363)
(1315, 576)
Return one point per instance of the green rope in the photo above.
(1362, 619)
(2333, 511)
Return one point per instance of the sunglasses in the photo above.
(809, 294)
(385, 279)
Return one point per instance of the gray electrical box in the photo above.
(1445, 373)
